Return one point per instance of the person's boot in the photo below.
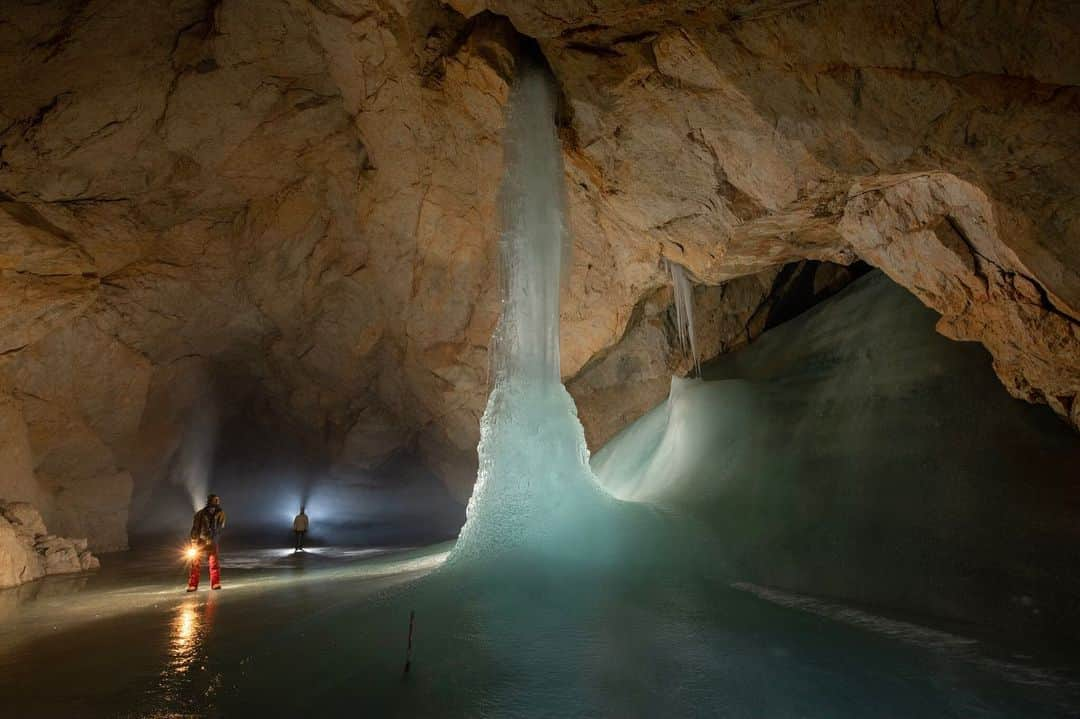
(215, 586)
(191, 588)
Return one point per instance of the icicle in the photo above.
(684, 311)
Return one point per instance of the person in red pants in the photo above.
(207, 525)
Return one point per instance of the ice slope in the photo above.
(853, 452)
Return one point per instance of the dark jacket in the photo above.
(208, 523)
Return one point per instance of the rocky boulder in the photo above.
(64, 556)
(19, 562)
(28, 552)
(24, 519)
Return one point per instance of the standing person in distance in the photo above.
(299, 527)
(205, 530)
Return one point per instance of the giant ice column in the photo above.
(534, 490)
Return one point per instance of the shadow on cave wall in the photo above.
(265, 469)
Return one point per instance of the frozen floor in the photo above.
(324, 634)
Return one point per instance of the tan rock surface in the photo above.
(293, 205)
(741, 135)
(19, 563)
(28, 552)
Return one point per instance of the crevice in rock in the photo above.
(330, 7)
(801, 285)
(55, 43)
(594, 50)
(27, 215)
(952, 236)
(592, 27)
(478, 32)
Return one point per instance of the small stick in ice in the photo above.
(408, 649)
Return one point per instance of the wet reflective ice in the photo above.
(329, 636)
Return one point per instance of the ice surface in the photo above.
(283, 639)
(854, 452)
(658, 455)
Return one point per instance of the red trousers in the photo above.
(211, 550)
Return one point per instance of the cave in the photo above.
(539, 358)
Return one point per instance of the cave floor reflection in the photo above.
(99, 644)
(144, 579)
(193, 622)
(324, 632)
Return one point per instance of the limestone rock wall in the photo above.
(294, 200)
(937, 141)
(29, 552)
(292, 205)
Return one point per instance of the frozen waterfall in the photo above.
(535, 490)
